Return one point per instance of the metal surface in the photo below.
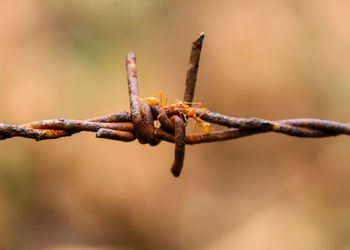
(193, 68)
(180, 132)
(135, 105)
(139, 123)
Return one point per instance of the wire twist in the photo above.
(139, 123)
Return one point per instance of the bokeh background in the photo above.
(273, 59)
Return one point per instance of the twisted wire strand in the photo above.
(237, 127)
(57, 128)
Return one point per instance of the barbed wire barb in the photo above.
(139, 123)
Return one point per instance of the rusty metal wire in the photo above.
(139, 123)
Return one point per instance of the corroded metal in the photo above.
(8, 131)
(192, 70)
(152, 139)
(135, 105)
(224, 135)
(48, 129)
(76, 125)
(318, 124)
(213, 136)
(119, 117)
(115, 135)
(296, 127)
(167, 125)
(180, 133)
(56, 128)
(139, 123)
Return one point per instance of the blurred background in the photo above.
(261, 58)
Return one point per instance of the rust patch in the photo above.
(180, 133)
(192, 70)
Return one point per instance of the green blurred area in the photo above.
(261, 58)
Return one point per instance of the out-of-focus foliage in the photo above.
(264, 58)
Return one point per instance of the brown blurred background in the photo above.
(273, 59)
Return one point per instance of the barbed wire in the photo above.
(139, 123)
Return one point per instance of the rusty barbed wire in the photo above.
(139, 123)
